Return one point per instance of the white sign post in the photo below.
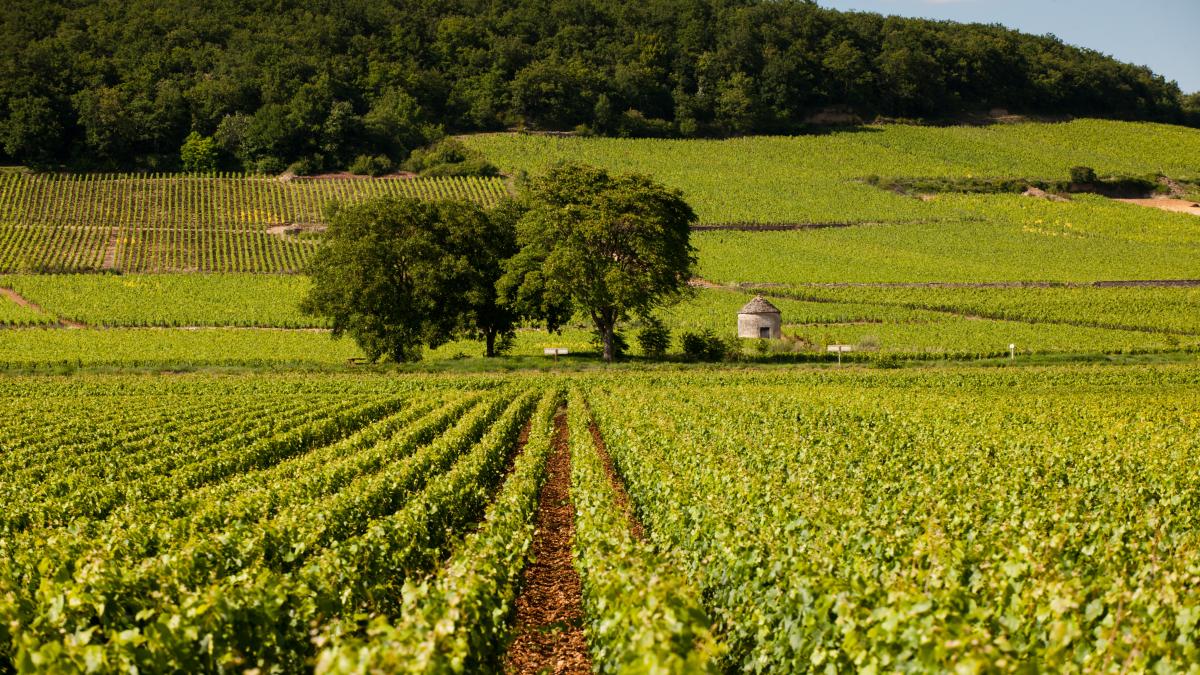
(1012, 352)
(839, 349)
(555, 351)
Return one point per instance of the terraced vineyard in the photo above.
(764, 522)
(160, 223)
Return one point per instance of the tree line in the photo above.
(321, 84)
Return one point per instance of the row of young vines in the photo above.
(172, 222)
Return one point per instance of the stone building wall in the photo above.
(751, 325)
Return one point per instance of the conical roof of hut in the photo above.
(759, 306)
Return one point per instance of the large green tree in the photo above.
(398, 275)
(609, 245)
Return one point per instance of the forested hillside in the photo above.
(122, 83)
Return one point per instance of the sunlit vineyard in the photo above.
(818, 178)
(1021, 239)
(792, 521)
(66, 349)
(208, 223)
(169, 299)
(918, 322)
(1174, 310)
(926, 522)
(13, 314)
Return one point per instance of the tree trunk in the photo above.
(607, 332)
(490, 336)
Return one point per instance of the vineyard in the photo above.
(235, 319)
(821, 178)
(52, 349)
(181, 223)
(779, 522)
(1013, 238)
(169, 300)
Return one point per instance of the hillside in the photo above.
(948, 275)
(120, 84)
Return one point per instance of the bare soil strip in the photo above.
(618, 483)
(110, 250)
(29, 304)
(1173, 205)
(549, 611)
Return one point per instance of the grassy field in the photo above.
(168, 348)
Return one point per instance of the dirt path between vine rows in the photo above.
(22, 301)
(549, 620)
(110, 250)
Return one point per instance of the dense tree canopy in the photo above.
(398, 275)
(122, 83)
(607, 245)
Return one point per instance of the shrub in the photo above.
(306, 166)
(654, 338)
(1083, 174)
(372, 165)
(449, 157)
(470, 167)
(198, 154)
(887, 361)
(702, 346)
(268, 165)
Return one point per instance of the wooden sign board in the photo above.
(840, 348)
(555, 351)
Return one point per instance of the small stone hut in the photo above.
(760, 319)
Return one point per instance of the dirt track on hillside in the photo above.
(1164, 204)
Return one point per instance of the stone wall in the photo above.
(750, 325)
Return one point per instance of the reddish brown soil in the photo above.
(618, 485)
(549, 621)
(110, 251)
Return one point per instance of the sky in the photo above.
(1161, 34)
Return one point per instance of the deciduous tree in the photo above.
(609, 245)
(400, 274)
